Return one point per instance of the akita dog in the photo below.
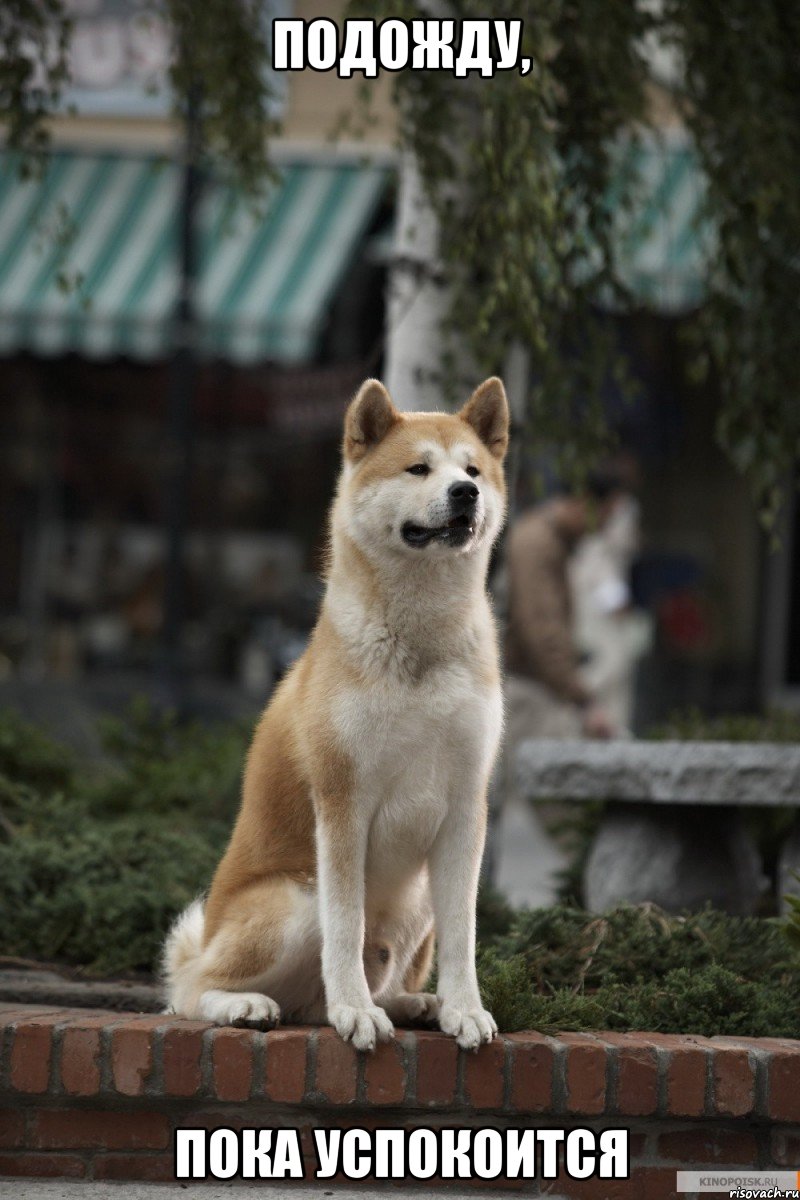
(363, 814)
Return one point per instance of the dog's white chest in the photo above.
(392, 731)
(415, 750)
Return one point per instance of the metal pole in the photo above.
(182, 380)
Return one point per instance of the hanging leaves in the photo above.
(742, 105)
(520, 173)
(519, 170)
(222, 49)
(34, 38)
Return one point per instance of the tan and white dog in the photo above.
(364, 802)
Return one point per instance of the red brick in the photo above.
(215, 1118)
(734, 1083)
(78, 1129)
(12, 1128)
(80, 1061)
(131, 1058)
(709, 1146)
(531, 1073)
(657, 1183)
(686, 1082)
(637, 1074)
(11, 1013)
(785, 1149)
(636, 1145)
(725, 1042)
(31, 1053)
(232, 1063)
(585, 1074)
(285, 1080)
(784, 1085)
(483, 1075)
(51, 1166)
(385, 1073)
(182, 1049)
(437, 1063)
(337, 1066)
(153, 1168)
(686, 1071)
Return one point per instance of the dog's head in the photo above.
(424, 484)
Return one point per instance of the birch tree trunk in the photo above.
(417, 300)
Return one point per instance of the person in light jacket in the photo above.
(546, 693)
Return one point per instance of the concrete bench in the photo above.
(672, 832)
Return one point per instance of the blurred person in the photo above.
(611, 634)
(547, 695)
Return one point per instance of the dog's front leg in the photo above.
(341, 857)
(454, 866)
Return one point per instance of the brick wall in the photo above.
(98, 1095)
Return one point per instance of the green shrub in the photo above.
(691, 725)
(30, 756)
(95, 863)
(710, 1002)
(637, 968)
(100, 894)
(567, 947)
(160, 765)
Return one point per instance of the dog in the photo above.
(363, 812)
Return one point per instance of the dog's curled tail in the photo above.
(182, 950)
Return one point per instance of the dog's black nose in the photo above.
(462, 494)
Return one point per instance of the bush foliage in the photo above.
(637, 968)
(691, 725)
(96, 859)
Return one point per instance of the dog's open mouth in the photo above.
(456, 532)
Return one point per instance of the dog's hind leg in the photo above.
(262, 958)
(251, 1009)
(411, 1004)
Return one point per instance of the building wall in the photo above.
(317, 103)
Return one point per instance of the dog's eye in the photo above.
(419, 469)
(472, 471)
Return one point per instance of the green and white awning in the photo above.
(88, 252)
(88, 257)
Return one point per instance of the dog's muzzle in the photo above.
(462, 498)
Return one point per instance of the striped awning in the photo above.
(88, 257)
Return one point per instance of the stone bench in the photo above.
(672, 832)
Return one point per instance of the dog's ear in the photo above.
(369, 418)
(487, 412)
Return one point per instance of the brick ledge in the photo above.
(81, 1053)
(97, 1094)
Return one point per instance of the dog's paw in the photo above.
(251, 1009)
(413, 1006)
(361, 1026)
(469, 1026)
